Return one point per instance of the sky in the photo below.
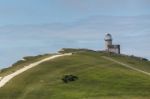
(32, 27)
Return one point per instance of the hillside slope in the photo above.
(98, 79)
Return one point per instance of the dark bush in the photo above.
(144, 59)
(69, 78)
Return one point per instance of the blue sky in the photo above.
(48, 11)
(32, 27)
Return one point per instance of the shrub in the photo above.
(69, 78)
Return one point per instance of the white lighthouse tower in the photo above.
(108, 41)
(109, 47)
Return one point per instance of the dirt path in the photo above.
(126, 65)
(7, 78)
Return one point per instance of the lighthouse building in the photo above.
(109, 46)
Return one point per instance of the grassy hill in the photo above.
(21, 63)
(98, 78)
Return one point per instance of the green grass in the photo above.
(21, 63)
(98, 79)
(134, 62)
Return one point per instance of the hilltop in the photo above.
(98, 78)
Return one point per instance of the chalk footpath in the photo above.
(7, 78)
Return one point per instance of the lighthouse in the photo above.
(108, 41)
(109, 47)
